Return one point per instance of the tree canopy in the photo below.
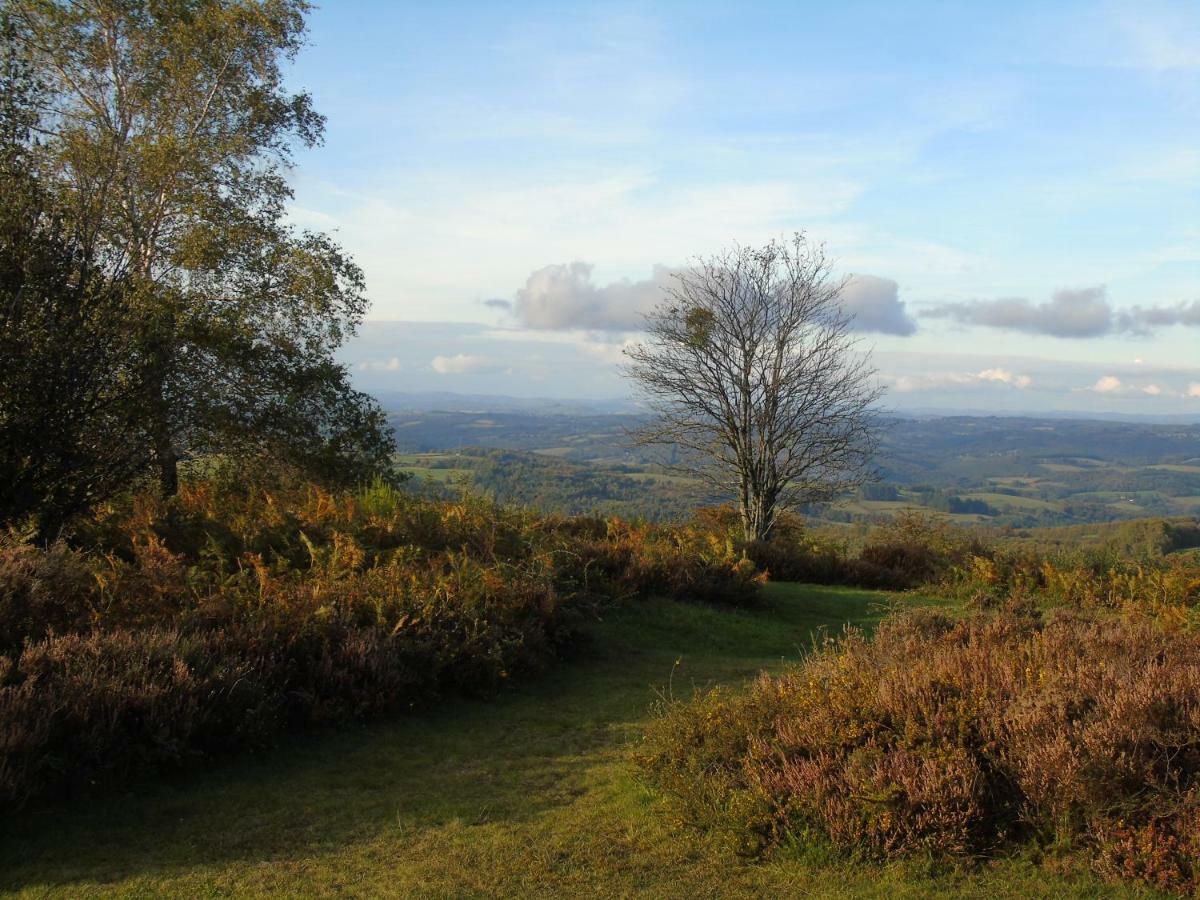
(69, 426)
(164, 132)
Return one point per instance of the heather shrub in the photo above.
(914, 549)
(957, 738)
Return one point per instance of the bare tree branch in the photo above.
(750, 367)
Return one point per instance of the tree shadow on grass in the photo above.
(507, 760)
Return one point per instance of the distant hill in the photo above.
(1016, 471)
(446, 401)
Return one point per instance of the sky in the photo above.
(1012, 189)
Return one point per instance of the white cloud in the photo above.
(1113, 386)
(564, 297)
(1005, 377)
(460, 364)
(936, 380)
(1194, 389)
(391, 364)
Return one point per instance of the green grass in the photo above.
(1008, 501)
(531, 795)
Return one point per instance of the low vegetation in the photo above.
(179, 630)
(957, 738)
(172, 632)
(529, 794)
(1137, 569)
(1062, 713)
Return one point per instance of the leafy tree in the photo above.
(752, 370)
(167, 135)
(68, 385)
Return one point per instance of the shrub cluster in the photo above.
(907, 552)
(690, 562)
(920, 551)
(1165, 588)
(174, 632)
(951, 738)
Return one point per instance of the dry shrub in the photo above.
(693, 563)
(957, 738)
(184, 630)
(1163, 588)
(41, 591)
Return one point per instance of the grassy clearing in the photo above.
(1008, 501)
(531, 795)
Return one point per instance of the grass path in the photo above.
(531, 795)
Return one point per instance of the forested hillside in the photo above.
(996, 471)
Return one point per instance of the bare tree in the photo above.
(753, 372)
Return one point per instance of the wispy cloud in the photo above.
(461, 364)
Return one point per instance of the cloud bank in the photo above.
(564, 297)
(1077, 313)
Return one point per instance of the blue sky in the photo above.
(1016, 186)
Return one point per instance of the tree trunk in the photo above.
(166, 457)
(752, 519)
(168, 463)
(757, 508)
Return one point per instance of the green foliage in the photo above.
(165, 136)
(68, 383)
(1136, 569)
(1021, 475)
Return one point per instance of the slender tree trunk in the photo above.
(168, 462)
(744, 507)
(166, 456)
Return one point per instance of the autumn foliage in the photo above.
(957, 738)
(172, 632)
